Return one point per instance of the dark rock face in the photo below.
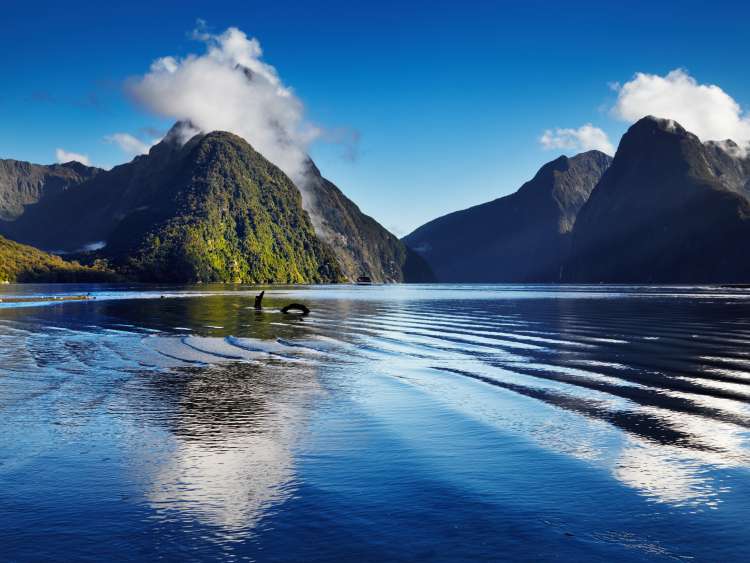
(23, 183)
(670, 209)
(362, 246)
(523, 237)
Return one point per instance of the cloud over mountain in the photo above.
(704, 109)
(63, 156)
(229, 88)
(129, 144)
(585, 138)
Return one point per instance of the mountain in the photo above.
(363, 247)
(23, 183)
(21, 263)
(211, 209)
(522, 237)
(670, 209)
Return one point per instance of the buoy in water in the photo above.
(296, 308)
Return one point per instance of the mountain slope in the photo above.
(21, 263)
(363, 247)
(670, 209)
(237, 218)
(222, 213)
(522, 237)
(23, 183)
(210, 210)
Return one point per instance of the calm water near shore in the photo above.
(395, 423)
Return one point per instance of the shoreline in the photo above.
(45, 298)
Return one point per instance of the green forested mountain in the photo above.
(22, 263)
(226, 214)
(212, 209)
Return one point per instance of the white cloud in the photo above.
(65, 156)
(130, 144)
(585, 138)
(230, 88)
(703, 109)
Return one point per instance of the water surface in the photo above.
(412, 423)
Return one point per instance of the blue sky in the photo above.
(447, 100)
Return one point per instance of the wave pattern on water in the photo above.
(671, 374)
(651, 386)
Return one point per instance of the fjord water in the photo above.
(399, 423)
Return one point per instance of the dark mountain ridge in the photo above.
(24, 183)
(670, 209)
(363, 247)
(522, 237)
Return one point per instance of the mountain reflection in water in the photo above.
(197, 412)
(234, 429)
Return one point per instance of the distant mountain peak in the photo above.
(593, 153)
(650, 126)
(78, 167)
(670, 209)
(521, 237)
(551, 177)
(23, 184)
(663, 123)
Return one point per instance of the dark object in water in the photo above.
(364, 280)
(296, 307)
(259, 300)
